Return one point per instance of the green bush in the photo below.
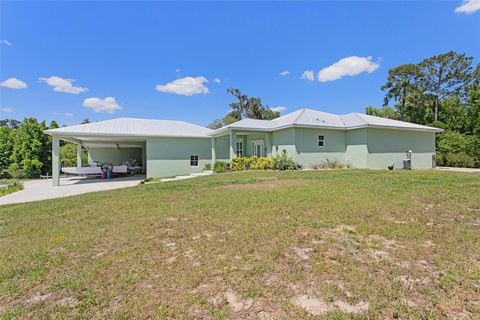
(284, 162)
(252, 163)
(220, 167)
(262, 163)
(14, 171)
(459, 159)
(32, 167)
(207, 167)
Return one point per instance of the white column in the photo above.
(232, 144)
(268, 143)
(79, 155)
(55, 161)
(214, 154)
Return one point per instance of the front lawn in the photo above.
(332, 244)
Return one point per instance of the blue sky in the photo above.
(140, 53)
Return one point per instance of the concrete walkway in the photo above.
(471, 170)
(36, 190)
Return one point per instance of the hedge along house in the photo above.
(311, 137)
(162, 147)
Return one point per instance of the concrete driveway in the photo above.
(35, 190)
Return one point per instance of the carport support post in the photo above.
(55, 161)
(214, 155)
(79, 155)
(232, 145)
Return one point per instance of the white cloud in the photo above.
(278, 109)
(216, 80)
(185, 86)
(177, 70)
(468, 6)
(308, 74)
(109, 104)
(63, 85)
(349, 66)
(13, 83)
(284, 73)
(8, 43)
(6, 109)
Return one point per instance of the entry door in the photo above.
(258, 148)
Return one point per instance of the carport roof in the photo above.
(132, 127)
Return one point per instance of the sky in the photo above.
(68, 61)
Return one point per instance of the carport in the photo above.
(114, 150)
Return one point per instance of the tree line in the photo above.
(26, 151)
(441, 91)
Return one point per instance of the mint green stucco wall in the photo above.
(284, 140)
(171, 156)
(387, 147)
(356, 150)
(222, 148)
(310, 154)
(115, 156)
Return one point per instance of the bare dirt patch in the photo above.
(318, 307)
(268, 184)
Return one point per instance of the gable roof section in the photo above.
(319, 119)
(134, 128)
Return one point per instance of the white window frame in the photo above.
(321, 140)
(262, 148)
(239, 151)
(192, 160)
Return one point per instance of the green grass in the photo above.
(245, 245)
(13, 187)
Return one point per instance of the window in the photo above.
(194, 161)
(321, 141)
(239, 148)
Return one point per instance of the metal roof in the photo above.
(133, 127)
(318, 119)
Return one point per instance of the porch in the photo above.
(238, 143)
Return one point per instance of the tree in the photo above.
(401, 83)
(10, 123)
(85, 121)
(443, 75)
(251, 107)
(6, 147)
(31, 147)
(246, 107)
(384, 112)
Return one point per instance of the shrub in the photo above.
(262, 163)
(221, 167)
(14, 171)
(459, 159)
(331, 164)
(32, 167)
(207, 167)
(241, 163)
(284, 162)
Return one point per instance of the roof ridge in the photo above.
(299, 115)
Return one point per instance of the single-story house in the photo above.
(310, 137)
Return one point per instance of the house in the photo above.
(310, 137)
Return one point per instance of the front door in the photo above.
(258, 148)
